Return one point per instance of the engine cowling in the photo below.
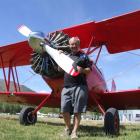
(42, 63)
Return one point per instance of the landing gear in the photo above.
(26, 117)
(111, 122)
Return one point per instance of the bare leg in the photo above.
(67, 120)
(76, 122)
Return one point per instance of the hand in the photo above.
(80, 69)
(83, 70)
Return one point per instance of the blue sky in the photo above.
(51, 15)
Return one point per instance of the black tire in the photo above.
(26, 117)
(112, 122)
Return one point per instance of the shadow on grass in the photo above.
(88, 131)
(94, 131)
(55, 124)
(91, 131)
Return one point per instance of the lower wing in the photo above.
(29, 98)
(128, 99)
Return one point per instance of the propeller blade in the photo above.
(24, 30)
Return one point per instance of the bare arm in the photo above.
(84, 70)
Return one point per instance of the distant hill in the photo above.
(12, 88)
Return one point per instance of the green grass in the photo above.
(50, 129)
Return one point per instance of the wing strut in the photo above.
(89, 46)
(7, 81)
(98, 55)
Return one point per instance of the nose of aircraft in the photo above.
(35, 39)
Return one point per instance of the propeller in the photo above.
(41, 62)
(24, 30)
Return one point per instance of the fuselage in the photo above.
(95, 80)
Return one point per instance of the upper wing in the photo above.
(129, 99)
(30, 98)
(17, 54)
(120, 33)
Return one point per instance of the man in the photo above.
(75, 92)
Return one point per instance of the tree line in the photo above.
(16, 108)
(10, 108)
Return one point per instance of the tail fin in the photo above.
(113, 88)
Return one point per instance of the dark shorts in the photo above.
(74, 99)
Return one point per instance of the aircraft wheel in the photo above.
(26, 117)
(111, 122)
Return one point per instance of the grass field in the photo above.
(50, 129)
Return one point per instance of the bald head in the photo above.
(75, 40)
(74, 44)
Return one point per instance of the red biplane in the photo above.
(118, 34)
